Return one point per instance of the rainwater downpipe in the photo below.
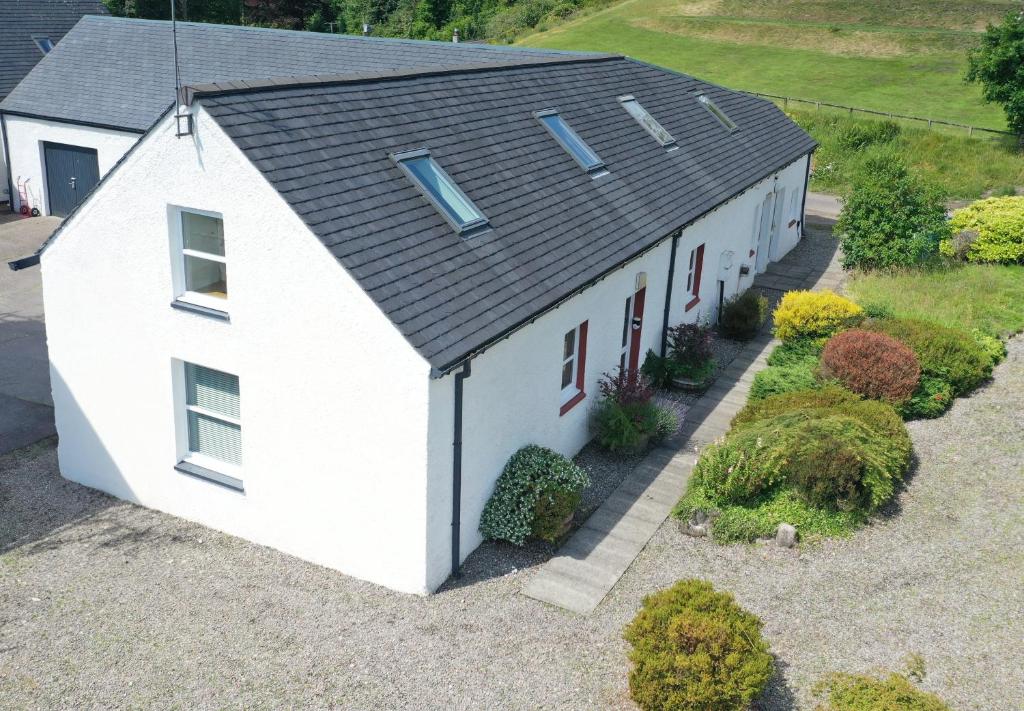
(457, 467)
(668, 291)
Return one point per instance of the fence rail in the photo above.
(931, 123)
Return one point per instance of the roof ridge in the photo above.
(245, 86)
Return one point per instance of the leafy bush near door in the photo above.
(536, 492)
(695, 649)
(743, 314)
(625, 418)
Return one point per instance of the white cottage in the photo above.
(324, 317)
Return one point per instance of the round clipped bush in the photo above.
(871, 364)
(814, 314)
(743, 465)
(743, 314)
(536, 491)
(695, 649)
(862, 692)
(992, 230)
(942, 352)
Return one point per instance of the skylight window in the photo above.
(438, 187)
(716, 112)
(45, 44)
(643, 118)
(572, 143)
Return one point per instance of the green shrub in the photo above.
(516, 510)
(695, 649)
(659, 371)
(878, 310)
(859, 135)
(776, 379)
(861, 692)
(743, 465)
(814, 314)
(743, 314)
(947, 353)
(892, 218)
(827, 469)
(932, 398)
(990, 230)
(625, 428)
(994, 347)
(825, 401)
(689, 346)
(798, 351)
(871, 364)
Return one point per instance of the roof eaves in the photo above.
(192, 92)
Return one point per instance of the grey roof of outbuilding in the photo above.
(119, 72)
(21, 20)
(554, 230)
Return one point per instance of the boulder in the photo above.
(785, 536)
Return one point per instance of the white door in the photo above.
(778, 217)
(627, 321)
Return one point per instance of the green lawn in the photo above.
(900, 56)
(982, 296)
(965, 168)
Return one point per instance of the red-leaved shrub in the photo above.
(872, 364)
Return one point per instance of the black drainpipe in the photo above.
(7, 162)
(457, 467)
(807, 186)
(668, 291)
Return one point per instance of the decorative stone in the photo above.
(699, 524)
(785, 536)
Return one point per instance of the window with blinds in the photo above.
(212, 411)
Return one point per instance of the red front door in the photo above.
(632, 325)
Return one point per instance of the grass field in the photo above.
(904, 56)
(988, 297)
(965, 168)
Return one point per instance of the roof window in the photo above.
(663, 137)
(438, 187)
(716, 112)
(571, 142)
(45, 44)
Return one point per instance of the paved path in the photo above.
(26, 408)
(823, 205)
(595, 557)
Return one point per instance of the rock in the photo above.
(785, 536)
(699, 524)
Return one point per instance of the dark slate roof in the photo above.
(120, 72)
(20, 20)
(326, 150)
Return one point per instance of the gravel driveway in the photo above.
(105, 604)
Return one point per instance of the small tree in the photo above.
(892, 217)
(998, 65)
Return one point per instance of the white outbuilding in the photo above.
(324, 317)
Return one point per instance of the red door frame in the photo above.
(636, 327)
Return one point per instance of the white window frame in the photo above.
(181, 293)
(571, 390)
(218, 471)
(691, 273)
(40, 40)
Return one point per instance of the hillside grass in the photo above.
(987, 297)
(964, 167)
(904, 56)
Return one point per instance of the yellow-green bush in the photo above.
(814, 314)
(994, 229)
(695, 649)
(863, 692)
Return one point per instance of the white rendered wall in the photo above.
(333, 399)
(513, 396)
(26, 137)
(5, 193)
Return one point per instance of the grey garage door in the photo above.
(71, 172)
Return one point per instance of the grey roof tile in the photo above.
(553, 228)
(21, 20)
(119, 72)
